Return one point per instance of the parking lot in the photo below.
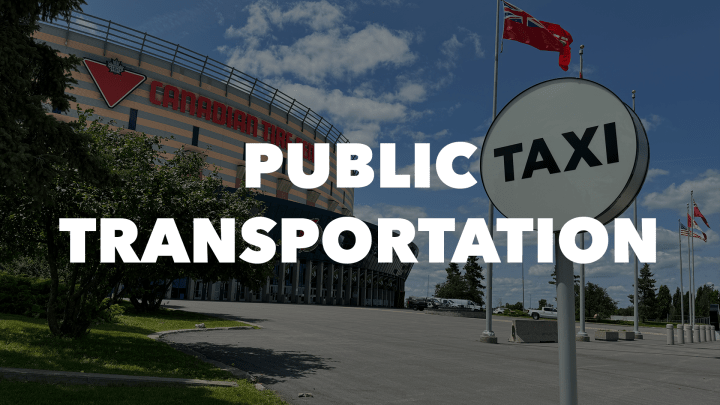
(350, 355)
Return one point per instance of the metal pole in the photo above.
(692, 246)
(582, 336)
(638, 334)
(690, 321)
(566, 326)
(682, 292)
(581, 59)
(488, 336)
(522, 269)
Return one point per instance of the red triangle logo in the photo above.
(113, 81)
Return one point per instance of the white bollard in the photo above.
(670, 334)
(681, 336)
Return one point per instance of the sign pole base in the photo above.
(566, 326)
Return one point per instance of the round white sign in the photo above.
(563, 149)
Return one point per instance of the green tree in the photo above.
(664, 302)
(646, 292)
(518, 306)
(34, 81)
(473, 281)
(542, 303)
(597, 302)
(454, 285)
(145, 186)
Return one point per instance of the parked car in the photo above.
(416, 304)
(545, 312)
(499, 310)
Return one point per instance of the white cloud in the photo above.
(421, 136)
(544, 270)
(652, 122)
(263, 15)
(408, 92)
(360, 117)
(706, 190)
(339, 52)
(484, 125)
(587, 70)
(652, 173)
(220, 17)
(449, 49)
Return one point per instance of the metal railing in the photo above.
(176, 55)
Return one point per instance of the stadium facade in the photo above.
(146, 84)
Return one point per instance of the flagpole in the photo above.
(582, 336)
(488, 336)
(692, 245)
(638, 334)
(689, 277)
(522, 269)
(682, 292)
(581, 59)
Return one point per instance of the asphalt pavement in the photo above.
(350, 355)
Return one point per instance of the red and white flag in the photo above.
(522, 27)
(693, 224)
(699, 214)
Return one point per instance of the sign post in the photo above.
(563, 149)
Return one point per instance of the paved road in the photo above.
(345, 355)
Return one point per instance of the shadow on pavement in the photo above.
(270, 366)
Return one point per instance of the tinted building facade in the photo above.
(147, 84)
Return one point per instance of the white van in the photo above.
(467, 304)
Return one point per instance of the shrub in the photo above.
(21, 295)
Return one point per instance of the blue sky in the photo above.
(406, 72)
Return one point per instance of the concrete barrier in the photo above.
(708, 338)
(688, 334)
(464, 313)
(696, 334)
(626, 335)
(608, 335)
(681, 336)
(670, 334)
(528, 331)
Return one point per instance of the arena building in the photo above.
(150, 85)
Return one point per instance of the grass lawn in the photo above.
(121, 348)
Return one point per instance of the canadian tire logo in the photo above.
(317, 243)
(113, 80)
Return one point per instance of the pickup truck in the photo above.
(545, 312)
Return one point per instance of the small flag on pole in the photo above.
(698, 214)
(684, 232)
(522, 27)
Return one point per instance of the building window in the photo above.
(196, 136)
(132, 123)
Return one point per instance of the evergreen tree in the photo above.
(34, 79)
(542, 303)
(664, 302)
(473, 281)
(646, 292)
(453, 286)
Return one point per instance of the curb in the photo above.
(74, 377)
(159, 336)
